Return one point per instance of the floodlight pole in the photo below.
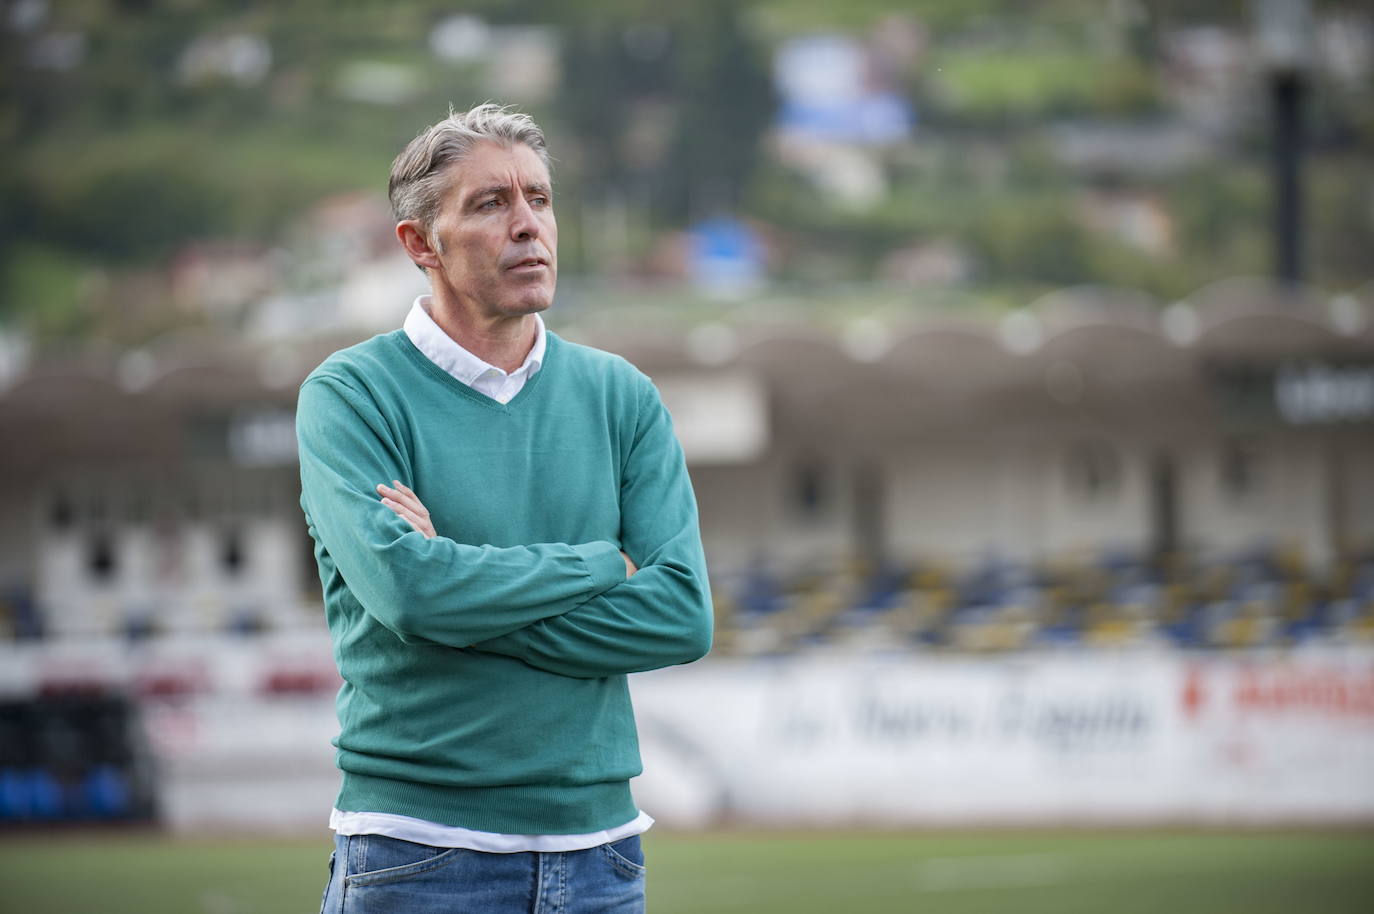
(1285, 46)
(1287, 99)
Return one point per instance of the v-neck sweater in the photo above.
(484, 668)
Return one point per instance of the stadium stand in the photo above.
(1262, 598)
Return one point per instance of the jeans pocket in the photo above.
(627, 856)
(378, 859)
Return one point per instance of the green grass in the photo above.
(1061, 872)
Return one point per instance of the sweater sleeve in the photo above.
(435, 590)
(661, 615)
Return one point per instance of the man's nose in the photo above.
(524, 225)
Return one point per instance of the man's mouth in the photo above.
(529, 263)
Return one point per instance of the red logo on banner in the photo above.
(1193, 694)
(1329, 691)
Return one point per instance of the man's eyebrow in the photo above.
(493, 190)
(534, 187)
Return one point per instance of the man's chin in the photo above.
(535, 300)
(530, 305)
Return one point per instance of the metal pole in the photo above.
(1288, 149)
(1284, 40)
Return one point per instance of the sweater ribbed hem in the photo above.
(515, 810)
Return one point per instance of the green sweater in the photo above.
(484, 669)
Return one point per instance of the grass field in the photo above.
(956, 873)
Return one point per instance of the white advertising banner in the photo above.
(240, 733)
(911, 740)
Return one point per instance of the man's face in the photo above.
(495, 236)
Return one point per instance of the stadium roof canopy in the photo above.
(1080, 352)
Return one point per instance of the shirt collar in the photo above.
(444, 351)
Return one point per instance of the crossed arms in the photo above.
(409, 508)
(582, 610)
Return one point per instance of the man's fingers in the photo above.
(401, 498)
(407, 504)
(420, 524)
(398, 494)
(403, 510)
(403, 494)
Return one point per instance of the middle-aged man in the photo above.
(504, 528)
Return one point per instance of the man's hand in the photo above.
(630, 566)
(408, 505)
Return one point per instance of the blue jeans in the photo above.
(374, 874)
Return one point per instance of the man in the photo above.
(504, 529)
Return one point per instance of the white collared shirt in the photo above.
(444, 351)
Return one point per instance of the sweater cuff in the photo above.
(605, 565)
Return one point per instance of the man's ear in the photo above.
(415, 240)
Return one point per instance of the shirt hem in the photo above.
(434, 834)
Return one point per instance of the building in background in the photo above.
(157, 491)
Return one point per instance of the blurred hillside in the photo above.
(169, 163)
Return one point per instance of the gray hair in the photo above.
(417, 175)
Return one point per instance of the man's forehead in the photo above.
(491, 165)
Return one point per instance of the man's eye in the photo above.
(490, 204)
(541, 201)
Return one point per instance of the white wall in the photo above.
(961, 500)
(748, 511)
(1116, 519)
(1286, 506)
(175, 578)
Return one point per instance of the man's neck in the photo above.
(501, 341)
